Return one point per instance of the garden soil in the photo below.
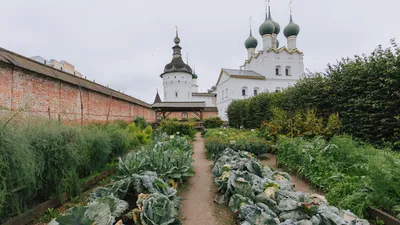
(198, 206)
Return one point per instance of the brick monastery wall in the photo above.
(37, 95)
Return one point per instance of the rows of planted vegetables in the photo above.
(145, 191)
(259, 195)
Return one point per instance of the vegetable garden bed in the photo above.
(144, 192)
(259, 195)
(41, 209)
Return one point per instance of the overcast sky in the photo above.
(126, 43)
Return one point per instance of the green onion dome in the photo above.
(194, 76)
(277, 28)
(291, 29)
(267, 27)
(251, 42)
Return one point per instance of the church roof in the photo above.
(157, 99)
(179, 105)
(242, 74)
(177, 64)
(204, 94)
(26, 63)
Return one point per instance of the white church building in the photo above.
(270, 69)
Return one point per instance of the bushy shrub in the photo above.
(213, 122)
(178, 128)
(140, 122)
(361, 91)
(217, 140)
(302, 123)
(353, 175)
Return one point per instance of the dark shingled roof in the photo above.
(204, 94)
(157, 99)
(23, 62)
(243, 73)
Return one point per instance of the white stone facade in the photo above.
(279, 69)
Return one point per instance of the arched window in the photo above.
(184, 115)
(176, 93)
(222, 94)
(288, 71)
(256, 91)
(278, 70)
(244, 91)
(226, 93)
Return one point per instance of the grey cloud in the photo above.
(126, 43)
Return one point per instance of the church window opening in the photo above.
(222, 94)
(244, 91)
(171, 81)
(278, 70)
(288, 71)
(175, 76)
(179, 81)
(226, 93)
(184, 115)
(256, 91)
(176, 94)
(278, 89)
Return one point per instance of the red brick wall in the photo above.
(35, 95)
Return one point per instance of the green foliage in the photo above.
(259, 195)
(302, 123)
(157, 202)
(140, 122)
(213, 122)
(40, 160)
(363, 92)
(172, 127)
(217, 140)
(353, 175)
(169, 158)
(76, 217)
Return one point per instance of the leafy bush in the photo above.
(362, 91)
(354, 175)
(178, 128)
(213, 122)
(302, 123)
(140, 122)
(217, 140)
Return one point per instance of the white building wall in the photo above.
(265, 64)
(210, 101)
(177, 82)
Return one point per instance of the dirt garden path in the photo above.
(300, 185)
(198, 207)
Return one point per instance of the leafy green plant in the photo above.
(213, 122)
(352, 174)
(172, 127)
(40, 160)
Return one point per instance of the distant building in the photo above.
(271, 69)
(63, 65)
(181, 97)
